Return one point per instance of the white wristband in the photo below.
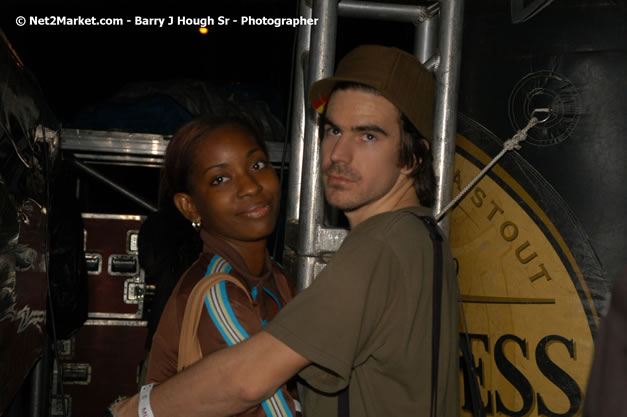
(143, 409)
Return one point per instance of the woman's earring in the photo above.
(196, 225)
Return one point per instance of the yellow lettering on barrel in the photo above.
(528, 258)
(513, 231)
(543, 273)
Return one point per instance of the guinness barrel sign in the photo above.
(532, 289)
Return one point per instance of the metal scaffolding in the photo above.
(437, 43)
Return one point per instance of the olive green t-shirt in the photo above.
(366, 320)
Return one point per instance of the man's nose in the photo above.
(340, 150)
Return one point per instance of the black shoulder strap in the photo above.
(477, 405)
(343, 399)
(436, 239)
(343, 409)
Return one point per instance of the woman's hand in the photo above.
(125, 408)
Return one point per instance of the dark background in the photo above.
(78, 66)
(583, 40)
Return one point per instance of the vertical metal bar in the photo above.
(321, 62)
(38, 388)
(425, 39)
(445, 114)
(297, 128)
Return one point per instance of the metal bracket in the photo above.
(49, 136)
(61, 406)
(76, 373)
(123, 264)
(134, 290)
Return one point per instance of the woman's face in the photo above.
(234, 189)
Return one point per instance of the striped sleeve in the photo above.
(224, 315)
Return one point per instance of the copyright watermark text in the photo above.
(165, 21)
(68, 21)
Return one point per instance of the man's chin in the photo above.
(342, 204)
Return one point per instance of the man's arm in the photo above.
(224, 383)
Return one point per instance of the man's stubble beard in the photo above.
(342, 170)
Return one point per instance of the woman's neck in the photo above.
(253, 253)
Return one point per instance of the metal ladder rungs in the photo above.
(386, 11)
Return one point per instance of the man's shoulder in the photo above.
(394, 232)
(392, 224)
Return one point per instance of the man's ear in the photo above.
(409, 168)
(186, 206)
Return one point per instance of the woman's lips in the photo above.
(257, 210)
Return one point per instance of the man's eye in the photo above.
(369, 137)
(217, 180)
(333, 131)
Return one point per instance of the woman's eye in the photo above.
(260, 165)
(217, 180)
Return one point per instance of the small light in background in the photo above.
(203, 30)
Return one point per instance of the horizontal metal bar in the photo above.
(113, 185)
(122, 217)
(121, 160)
(119, 143)
(127, 323)
(115, 316)
(129, 147)
(385, 11)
